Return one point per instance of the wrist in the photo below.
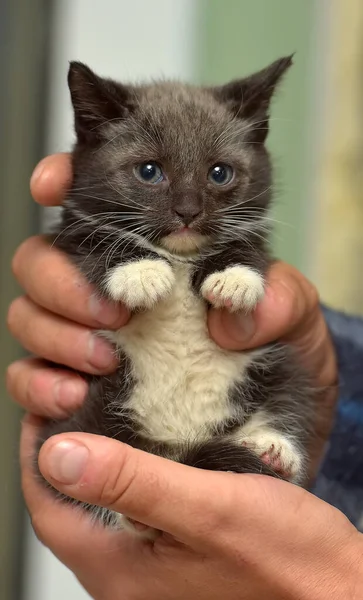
(351, 580)
(332, 570)
(344, 578)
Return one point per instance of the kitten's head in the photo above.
(179, 165)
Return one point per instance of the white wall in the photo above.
(126, 40)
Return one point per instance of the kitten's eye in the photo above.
(149, 172)
(221, 174)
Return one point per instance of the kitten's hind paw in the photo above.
(235, 288)
(140, 284)
(277, 452)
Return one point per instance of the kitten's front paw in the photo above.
(140, 284)
(138, 529)
(235, 288)
(276, 451)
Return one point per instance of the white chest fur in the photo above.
(182, 377)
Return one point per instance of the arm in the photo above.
(222, 536)
(340, 480)
(55, 321)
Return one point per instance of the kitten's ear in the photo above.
(95, 101)
(250, 98)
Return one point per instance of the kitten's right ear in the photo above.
(95, 101)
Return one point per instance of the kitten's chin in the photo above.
(184, 243)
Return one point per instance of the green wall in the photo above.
(22, 68)
(239, 36)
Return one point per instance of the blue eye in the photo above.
(221, 174)
(149, 172)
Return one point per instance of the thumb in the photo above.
(289, 309)
(185, 502)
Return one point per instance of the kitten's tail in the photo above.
(221, 455)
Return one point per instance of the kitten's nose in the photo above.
(188, 214)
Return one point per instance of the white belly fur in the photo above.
(182, 376)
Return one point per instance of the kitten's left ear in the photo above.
(250, 98)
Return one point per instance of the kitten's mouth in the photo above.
(184, 230)
(184, 240)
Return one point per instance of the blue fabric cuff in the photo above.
(340, 480)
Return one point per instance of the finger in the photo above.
(45, 391)
(54, 522)
(99, 558)
(187, 503)
(201, 509)
(60, 341)
(290, 303)
(51, 179)
(51, 281)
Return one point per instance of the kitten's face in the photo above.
(175, 164)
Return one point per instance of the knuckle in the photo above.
(25, 391)
(61, 294)
(119, 483)
(16, 261)
(296, 309)
(10, 379)
(312, 296)
(21, 253)
(39, 525)
(14, 310)
(290, 305)
(18, 384)
(305, 301)
(295, 302)
(63, 343)
(305, 296)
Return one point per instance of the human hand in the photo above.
(54, 321)
(244, 537)
(56, 318)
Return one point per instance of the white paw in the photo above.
(276, 451)
(138, 529)
(235, 288)
(140, 284)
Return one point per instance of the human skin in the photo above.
(55, 320)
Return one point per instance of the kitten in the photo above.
(168, 214)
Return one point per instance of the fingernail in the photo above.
(37, 173)
(67, 461)
(106, 313)
(69, 393)
(240, 327)
(100, 354)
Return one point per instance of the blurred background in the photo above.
(316, 140)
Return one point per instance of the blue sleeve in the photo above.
(340, 481)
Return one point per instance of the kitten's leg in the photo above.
(235, 288)
(274, 448)
(233, 279)
(135, 275)
(140, 283)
